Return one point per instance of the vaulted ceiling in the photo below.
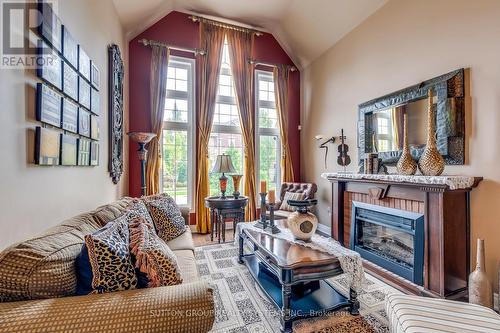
(304, 28)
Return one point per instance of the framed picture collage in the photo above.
(67, 98)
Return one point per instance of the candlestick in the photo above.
(263, 221)
(272, 228)
(272, 196)
(263, 186)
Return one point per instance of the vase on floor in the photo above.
(431, 162)
(480, 288)
(406, 164)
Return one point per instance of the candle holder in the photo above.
(262, 224)
(272, 228)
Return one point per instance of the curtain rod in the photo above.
(268, 64)
(195, 18)
(147, 42)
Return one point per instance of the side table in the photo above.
(222, 209)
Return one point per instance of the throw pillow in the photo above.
(138, 208)
(153, 257)
(167, 217)
(291, 196)
(104, 263)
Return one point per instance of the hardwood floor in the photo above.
(204, 239)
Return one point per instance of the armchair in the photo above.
(309, 189)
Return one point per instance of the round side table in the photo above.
(222, 209)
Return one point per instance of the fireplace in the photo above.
(390, 238)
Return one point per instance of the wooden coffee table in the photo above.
(294, 277)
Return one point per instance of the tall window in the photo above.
(178, 139)
(268, 134)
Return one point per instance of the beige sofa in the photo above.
(38, 284)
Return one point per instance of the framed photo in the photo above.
(48, 105)
(95, 75)
(83, 93)
(94, 153)
(70, 81)
(83, 152)
(83, 63)
(95, 102)
(69, 150)
(50, 27)
(84, 123)
(50, 69)
(94, 127)
(47, 146)
(70, 48)
(69, 116)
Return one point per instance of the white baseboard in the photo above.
(324, 229)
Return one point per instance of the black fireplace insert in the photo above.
(390, 238)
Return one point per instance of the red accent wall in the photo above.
(177, 29)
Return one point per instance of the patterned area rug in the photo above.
(241, 307)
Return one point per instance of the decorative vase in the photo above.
(406, 165)
(480, 288)
(236, 185)
(302, 223)
(431, 162)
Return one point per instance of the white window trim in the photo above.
(182, 62)
(265, 131)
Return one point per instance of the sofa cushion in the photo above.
(105, 263)
(290, 196)
(182, 242)
(187, 265)
(166, 216)
(152, 256)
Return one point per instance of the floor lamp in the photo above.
(142, 138)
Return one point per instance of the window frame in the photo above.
(266, 131)
(190, 96)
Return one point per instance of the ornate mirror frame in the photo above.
(115, 106)
(450, 117)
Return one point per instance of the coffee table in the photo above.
(294, 276)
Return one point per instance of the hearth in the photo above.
(390, 238)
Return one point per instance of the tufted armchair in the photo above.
(309, 189)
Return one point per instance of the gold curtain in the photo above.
(157, 93)
(240, 50)
(212, 40)
(397, 115)
(281, 75)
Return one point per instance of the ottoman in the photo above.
(412, 314)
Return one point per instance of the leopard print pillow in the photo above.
(152, 256)
(166, 215)
(138, 208)
(105, 263)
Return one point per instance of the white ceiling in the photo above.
(304, 28)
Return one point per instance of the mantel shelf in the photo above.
(446, 182)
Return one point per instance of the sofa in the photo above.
(38, 285)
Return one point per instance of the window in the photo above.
(268, 135)
(178, 139)
(225, 137)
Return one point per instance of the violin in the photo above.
(343, 159)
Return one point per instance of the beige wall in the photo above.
(404, 43)
(33, 198)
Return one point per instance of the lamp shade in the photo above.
(223, 164)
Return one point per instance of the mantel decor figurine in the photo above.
(431, 162)
(406, 164)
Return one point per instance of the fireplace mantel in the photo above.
(445, 203)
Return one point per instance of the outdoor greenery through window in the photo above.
(268, 135)
(177, 175)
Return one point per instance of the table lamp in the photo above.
(142, 138)
(223, 164)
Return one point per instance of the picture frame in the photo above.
(50, 70)
(95, 75)
(83, 152)
(70, 81)
(69, 150)
(69, 115)
(83, 93)
(84, 122)
(94, 127)
(94, 153)
(70, 48)
(83, 63)
(50, 26)
(47, 146)
(95, 101)
(48, 105)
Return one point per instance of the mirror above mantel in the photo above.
(380, 126)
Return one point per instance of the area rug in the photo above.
(241, 307)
